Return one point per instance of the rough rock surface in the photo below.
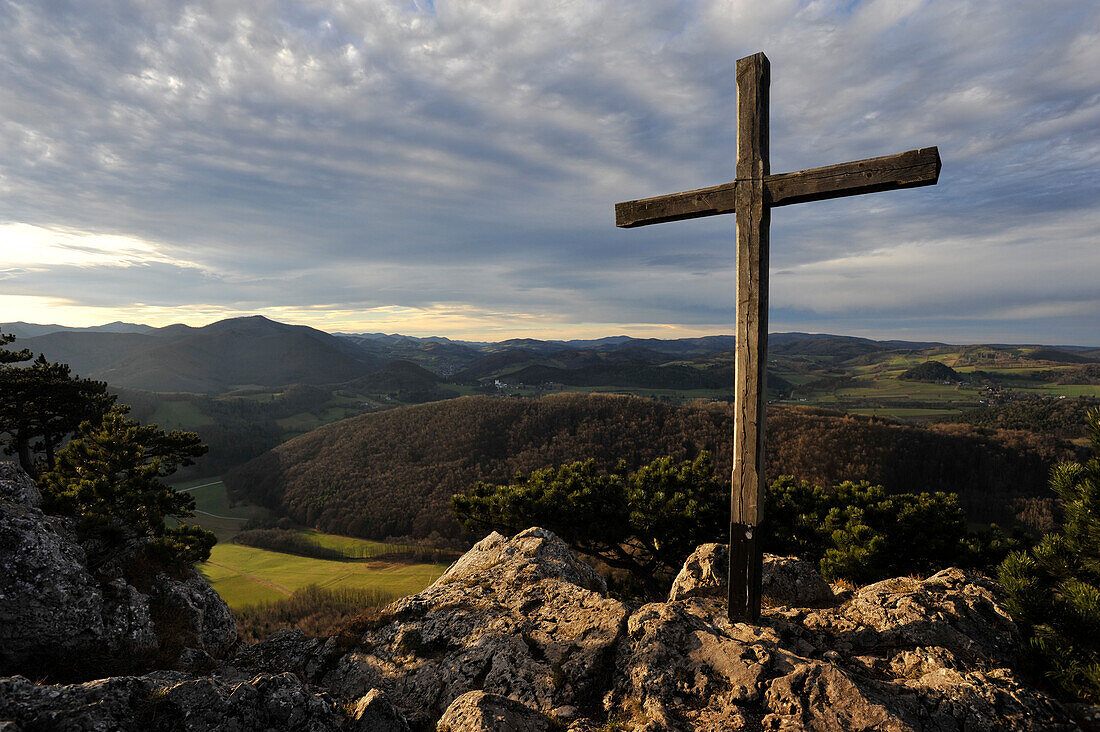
(476, 711)
(783, 580)
(905, 654)
(519, 634)
(169, 701)
(16, 486)
(376, 713)
(523, 618)
(57, 612)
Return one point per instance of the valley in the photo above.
(246, 576)
(366, 436)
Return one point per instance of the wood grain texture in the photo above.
(753, 81)
(750, 356)
(675, 207)
(910, 169)
(750, 353)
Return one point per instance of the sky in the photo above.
(451, 168)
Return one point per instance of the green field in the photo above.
(245, 575)
(213, 510)
(180, 415)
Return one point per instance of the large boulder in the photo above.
(519, 617)
(476, 711)
(61, 618)
(907, 654)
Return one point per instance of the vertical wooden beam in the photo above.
(750, 358)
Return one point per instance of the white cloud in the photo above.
(467, 154)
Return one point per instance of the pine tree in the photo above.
(1054, 589)
(109, 475)
(42, 403)
(7, 356)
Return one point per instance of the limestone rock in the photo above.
(49, 601)
(520, 617)
(954, 609)
(375, 713)
(289, 650)
(59, 616)
(16, 486)
(683, 666)
(476, 711)
(792, 582)
(783, 581)
(821, 697)
(519, 634)
(906, 654)
(169, 702)
(530, 556)
(209, 623)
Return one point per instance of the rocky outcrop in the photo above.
(476, 711)
(61, 617)
(522, 618)
(519, 634)
(783, 580)
(171, 701)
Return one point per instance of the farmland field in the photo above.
(213, 510)
(245, 575)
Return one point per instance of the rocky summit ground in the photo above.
(520, 634)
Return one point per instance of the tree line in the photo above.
(393, 473)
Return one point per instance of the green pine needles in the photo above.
(109, 478)
(647, 521)
(1054, 589)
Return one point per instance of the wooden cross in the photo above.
(753, 193)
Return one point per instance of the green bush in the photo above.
(860, 533)
(644, 522)
(1054, 588)
(647, 522)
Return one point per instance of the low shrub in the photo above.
(286, 541)
(316, 611)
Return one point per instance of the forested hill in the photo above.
(393, 473)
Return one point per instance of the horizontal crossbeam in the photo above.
(909, 169)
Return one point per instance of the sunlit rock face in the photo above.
(523, 619)
(521, 634)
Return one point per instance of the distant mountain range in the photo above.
(30, 330)
(257, 352)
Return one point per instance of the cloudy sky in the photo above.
(450, 168)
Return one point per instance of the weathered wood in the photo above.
(752, 195)
(753, 82)
(751, 346)
(676, 207)
(750, 353)
(910, 169)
